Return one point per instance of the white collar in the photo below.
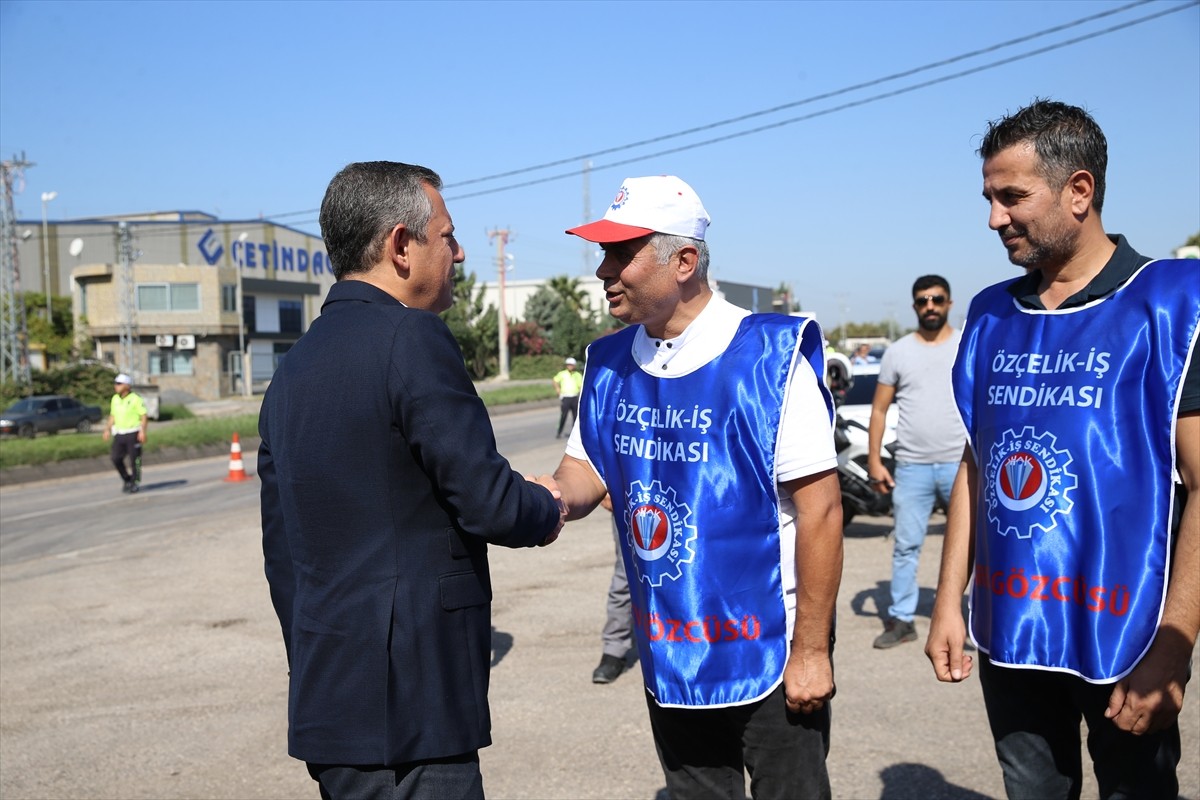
(705, 338)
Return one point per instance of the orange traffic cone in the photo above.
(237, 472)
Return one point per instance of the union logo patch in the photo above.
(1028, 483)
(659, 532)
(619, 200)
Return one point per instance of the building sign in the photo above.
(272, 255)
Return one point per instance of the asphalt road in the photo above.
(140, 657)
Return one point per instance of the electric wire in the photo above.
(165, 229)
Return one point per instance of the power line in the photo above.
(815, 98)
(805, 101)
(834, 109)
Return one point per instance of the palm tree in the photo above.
(573, 297)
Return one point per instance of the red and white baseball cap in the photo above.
(655, 204)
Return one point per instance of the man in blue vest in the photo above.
(712, 432)
(1079, 389)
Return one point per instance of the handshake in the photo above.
(551, 484)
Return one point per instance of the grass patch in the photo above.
(507, 395)
(188, 430)
(174, 412)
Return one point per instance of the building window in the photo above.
(278, 352)
(248, 317)
(229, 297)
(291, 316)
(172, 362)
(168, 297)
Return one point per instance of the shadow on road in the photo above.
(501, 643)
(154, 487)
(904, 781)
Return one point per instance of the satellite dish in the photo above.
(76, 247)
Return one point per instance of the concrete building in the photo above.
(517, 294)
(186, 269)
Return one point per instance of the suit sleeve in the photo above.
(277, 553)
(451, 435)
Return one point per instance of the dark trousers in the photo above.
(617, 634)
(706, 752)
(567, 405)
(1035, 715)
(126, 445)
(453, 778)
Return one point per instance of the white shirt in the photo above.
(806, 438)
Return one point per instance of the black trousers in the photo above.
(1035, 716)
(706, 752)
(452, 778)
(567, 405)
(126, 445)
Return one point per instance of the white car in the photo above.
(856, 406)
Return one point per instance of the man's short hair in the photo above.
(364, 202)
(1065, 138)
(928, 282)
(667, 245)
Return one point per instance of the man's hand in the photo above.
(807, 681)
(1149, 698)
(881, 479)
(552, 485)
(944, 647)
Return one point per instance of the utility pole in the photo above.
(127, 302)
(587, 213)
(501, 239)
(14, 335)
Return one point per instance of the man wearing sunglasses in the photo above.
(915, 372)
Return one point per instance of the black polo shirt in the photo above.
(1124, 262)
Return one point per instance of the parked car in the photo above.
(50, 413)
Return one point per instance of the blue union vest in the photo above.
(690, 464)
(1071, 417)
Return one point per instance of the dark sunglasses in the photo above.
(937, 300)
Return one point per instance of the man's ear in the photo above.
(688, 257)
(397, 247)
(1082, 188)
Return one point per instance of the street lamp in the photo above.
(246, 388)
(46, 198)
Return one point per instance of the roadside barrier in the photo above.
(237, 472)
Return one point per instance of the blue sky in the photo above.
(247, 109)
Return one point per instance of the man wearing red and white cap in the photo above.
(710, 429)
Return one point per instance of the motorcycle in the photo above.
(859, 496)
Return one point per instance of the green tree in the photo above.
(855, 330)
(58, 333)
(572, 333)
(543, 306)
(475, 327)
(1193, 240)
(569, 290)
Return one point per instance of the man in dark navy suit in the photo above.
(381, 489)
